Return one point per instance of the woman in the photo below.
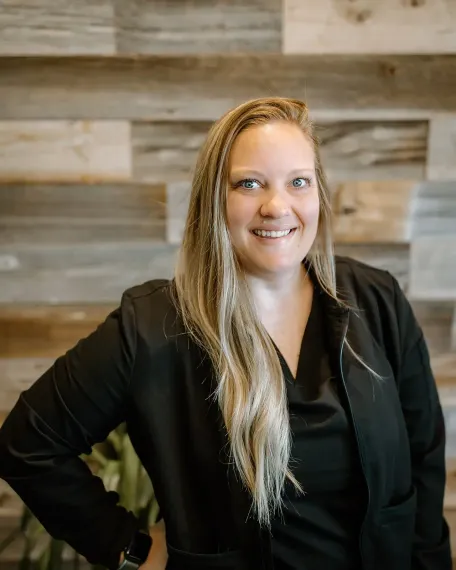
(280, 398)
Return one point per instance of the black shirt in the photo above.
(321, 528)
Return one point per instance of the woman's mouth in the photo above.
(274, 234)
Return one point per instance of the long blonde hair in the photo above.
(212, 297)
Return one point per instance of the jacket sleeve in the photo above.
(74, 404)
(426, 429)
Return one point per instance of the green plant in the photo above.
(116, 463)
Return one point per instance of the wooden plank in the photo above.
(57, 27)
(203, 87)
(64, 150)
(453, 330)
(92, 273)
(433, 210)
(45, 330)
(198, 26)
(368, 150)
(335, 26)
(370, 212)
(433, 268)
(442, 148)
(76, 213)
(178, 199)
(392, 257)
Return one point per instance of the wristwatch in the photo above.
(137, 551)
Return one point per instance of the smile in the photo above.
(273, 234)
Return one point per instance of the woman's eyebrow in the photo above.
(244, 171)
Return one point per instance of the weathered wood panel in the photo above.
(433, 268)
(453, 331)
(334, 26)
(198, 26)
(92, 273)
(368, 150)
(442, 148)
(72, 213)
(46, 331)
(178, 199)
(64, 150)
(372, 212)
(433, 210)
(51, 27)
(203, 87)
(392, 257)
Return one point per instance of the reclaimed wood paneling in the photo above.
(433, 210)
(368, 150)
(366, 26)
(92, 273)
(178, 199)
(203, 87)
(433, 268)
(51, 27)
(453, 331)
(64, 150)
(372, 212)
(198, 26)
(441, 163)
(72, 213)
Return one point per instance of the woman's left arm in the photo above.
(426, 429)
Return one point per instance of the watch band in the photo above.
(128, 565)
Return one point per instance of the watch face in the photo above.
(138, 550)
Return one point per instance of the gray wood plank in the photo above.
(76, 213)
(65, 150)
(433, 268)
(198, 26)
(92, 273)
(203, 87)
(334, 26)
(57, 27)
(368, 150)
(178, 199)
(442, 148)
(433, 208)
(392, 257)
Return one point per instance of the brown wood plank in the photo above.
(370, 212)
(392, 257)
(203, 87)
(64, 150)
(92, 273)
(57, 28)
(433, 268)
(198, 26)
(442, 148)
(75, 213)
(335, 26)
(45, 331)
(433, 208)
(367, 150)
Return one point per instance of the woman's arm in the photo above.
(73, 405)
(425, 424)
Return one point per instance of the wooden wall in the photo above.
(103, 106)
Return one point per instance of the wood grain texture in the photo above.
(368, 151)
(178, 199)
(370, 212)
(92, 273)
(441, 163)
(198, 26)
(64, 150)
(57, 27)
(366, 26)
(392, 257)
(433, 209)
(433, 268)
(204, 87)
(76, 213)
(46, 331)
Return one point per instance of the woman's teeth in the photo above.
(272, 234)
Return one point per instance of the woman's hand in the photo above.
(158, 555)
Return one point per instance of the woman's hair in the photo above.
(212, 296)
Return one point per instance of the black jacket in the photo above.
(139, 366)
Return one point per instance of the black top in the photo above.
(321, 528)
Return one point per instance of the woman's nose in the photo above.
(276, 206)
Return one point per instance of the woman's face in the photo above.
(272, 202)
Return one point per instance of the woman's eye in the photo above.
(302, 182)
(248, 183)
